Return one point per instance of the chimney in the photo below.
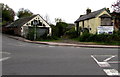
(88, 11)
(108, 10)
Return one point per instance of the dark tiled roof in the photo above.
(20, 22)
(90, 15)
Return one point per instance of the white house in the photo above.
(23, 26)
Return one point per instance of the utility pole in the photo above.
(35, 22)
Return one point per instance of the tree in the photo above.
(47, 19)
(8, 14)
(116, 6)
(24, 13)
(58, 20)
(61, 28)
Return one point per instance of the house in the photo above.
(94, 22)
(23, 26)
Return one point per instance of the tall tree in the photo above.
(24, 13)
(61, 28)
(58, 20)
(116, 6)
(8, 14)
(47, 19)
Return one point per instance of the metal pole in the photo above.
(35, 24)
(35, 32)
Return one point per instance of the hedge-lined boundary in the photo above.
(103, 38)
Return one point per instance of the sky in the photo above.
(68, 10)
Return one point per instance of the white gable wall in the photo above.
(24, 28)
(38, 17)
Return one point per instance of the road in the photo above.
(22, 58)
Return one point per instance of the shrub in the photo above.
(101, 37)
(71, 33)
(107, 38)
(92, 38)
(30, 35)
(84, 37)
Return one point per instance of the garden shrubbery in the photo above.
(30, 35)
(71, 33)
(106, 38)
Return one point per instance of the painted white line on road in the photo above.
(101, 64)
(5, 53)
(109, 58)
(104, 55)
(113, 61)
(104, 64)
(94, 58)
(2, 59)
(111, 72)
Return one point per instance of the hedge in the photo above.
(100, 37)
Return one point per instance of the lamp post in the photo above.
(35, 23)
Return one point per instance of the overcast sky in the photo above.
(67, 10)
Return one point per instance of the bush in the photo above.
(71, 33)
(84, 37)
(106, 38)
(30, 35)
(91, 38)
(47, 38)
(116, 36)
(101, 37)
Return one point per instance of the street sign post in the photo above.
(35, 23)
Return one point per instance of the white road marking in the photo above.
(101, 64)
(5, 53)
(2, 59)
(105, 55)
(104, 64)
(109, 58)
(94, 58)
(111, 72)
(113, 61)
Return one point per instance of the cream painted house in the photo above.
(92, 21)
(23, 26)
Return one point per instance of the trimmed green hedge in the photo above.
(107, 38)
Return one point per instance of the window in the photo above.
(39, 23)
(106, 21)
(44, 25)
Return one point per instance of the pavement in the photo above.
(63, 44)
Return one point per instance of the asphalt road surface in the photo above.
(22, 58)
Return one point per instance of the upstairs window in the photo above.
(106, 20)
